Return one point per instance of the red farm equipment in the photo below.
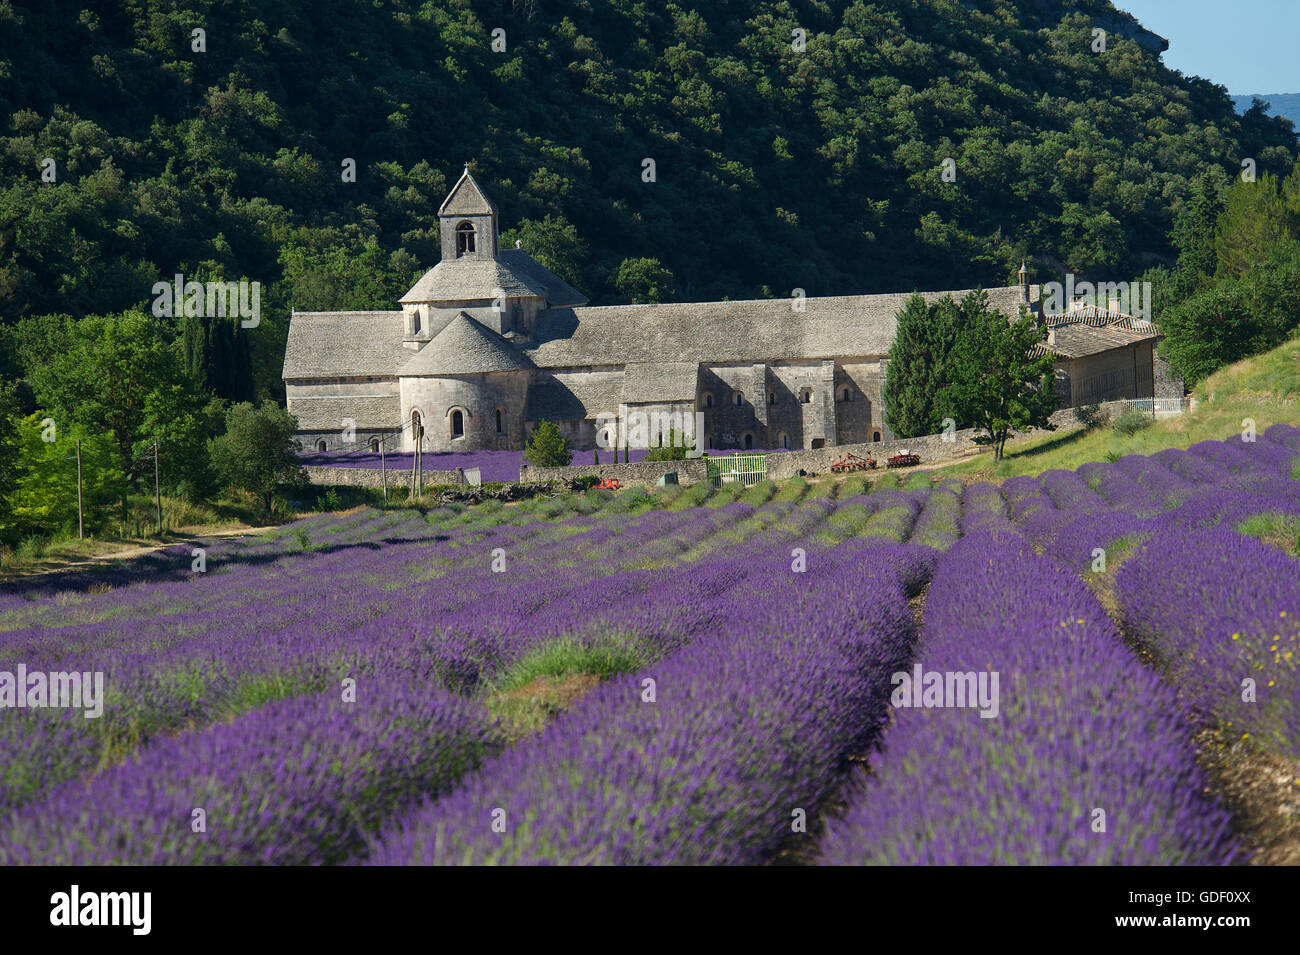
(851, 462)
(904, 460)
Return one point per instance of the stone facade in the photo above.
(489, 342)
(1119, 373)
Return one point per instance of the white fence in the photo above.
(1157, 407)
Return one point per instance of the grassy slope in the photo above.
(1265, 388)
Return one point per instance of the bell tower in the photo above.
(468, 221)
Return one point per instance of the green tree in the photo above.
(1193, 233)
(10, 448)
(644, 281)
(1230, 320)
(554, 242)
(999, 384)
(216, 356)
(547, 447)
(257, 454)
(44, 498)
(916, 381)
(1254, 220)
(339, 269)
(119, 376)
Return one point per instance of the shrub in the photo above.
(675, 450)
(1091, 416)
(547, 447)
(256, 453)
(1132, 421)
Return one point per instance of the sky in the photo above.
(1246, 45)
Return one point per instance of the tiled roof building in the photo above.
(489, 342)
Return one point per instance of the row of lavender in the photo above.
(479, 643)
(190, 653)
(301, 780)
(1220, 611)
(713, 755)
(1080, 755)
(1093, 760)
(301, 622)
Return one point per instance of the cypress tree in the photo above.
(919, 372)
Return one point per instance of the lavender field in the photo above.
(681, 676)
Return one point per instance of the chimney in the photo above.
(1024, 282)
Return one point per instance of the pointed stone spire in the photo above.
(468, 220)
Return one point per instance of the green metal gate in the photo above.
(744, 469)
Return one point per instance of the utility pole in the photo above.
(81, 526)
(157, 493)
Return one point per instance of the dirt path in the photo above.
(57, 564)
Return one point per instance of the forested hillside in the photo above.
(775, 168)
(1280, 104)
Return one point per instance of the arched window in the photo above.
(417, 427)
(740, 398)
(771, 397)
(785, 440)
(464, 238)
(708, 442)
(805, 396)
(458, 424)
(501, 422)
(708, 399)
(415, 322)
(875, 436)
(846, 393)
(374, 445)
(320, 445)
(749, 441)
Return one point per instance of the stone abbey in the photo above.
(488, 343)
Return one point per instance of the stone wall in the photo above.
(1066, 418)
(373, 477)
(643, 473)
(1167, 384)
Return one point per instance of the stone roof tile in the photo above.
(741, 331)
(559, 293)
(344, 345)
(464, 347)
(467, 198)
(465, 279)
